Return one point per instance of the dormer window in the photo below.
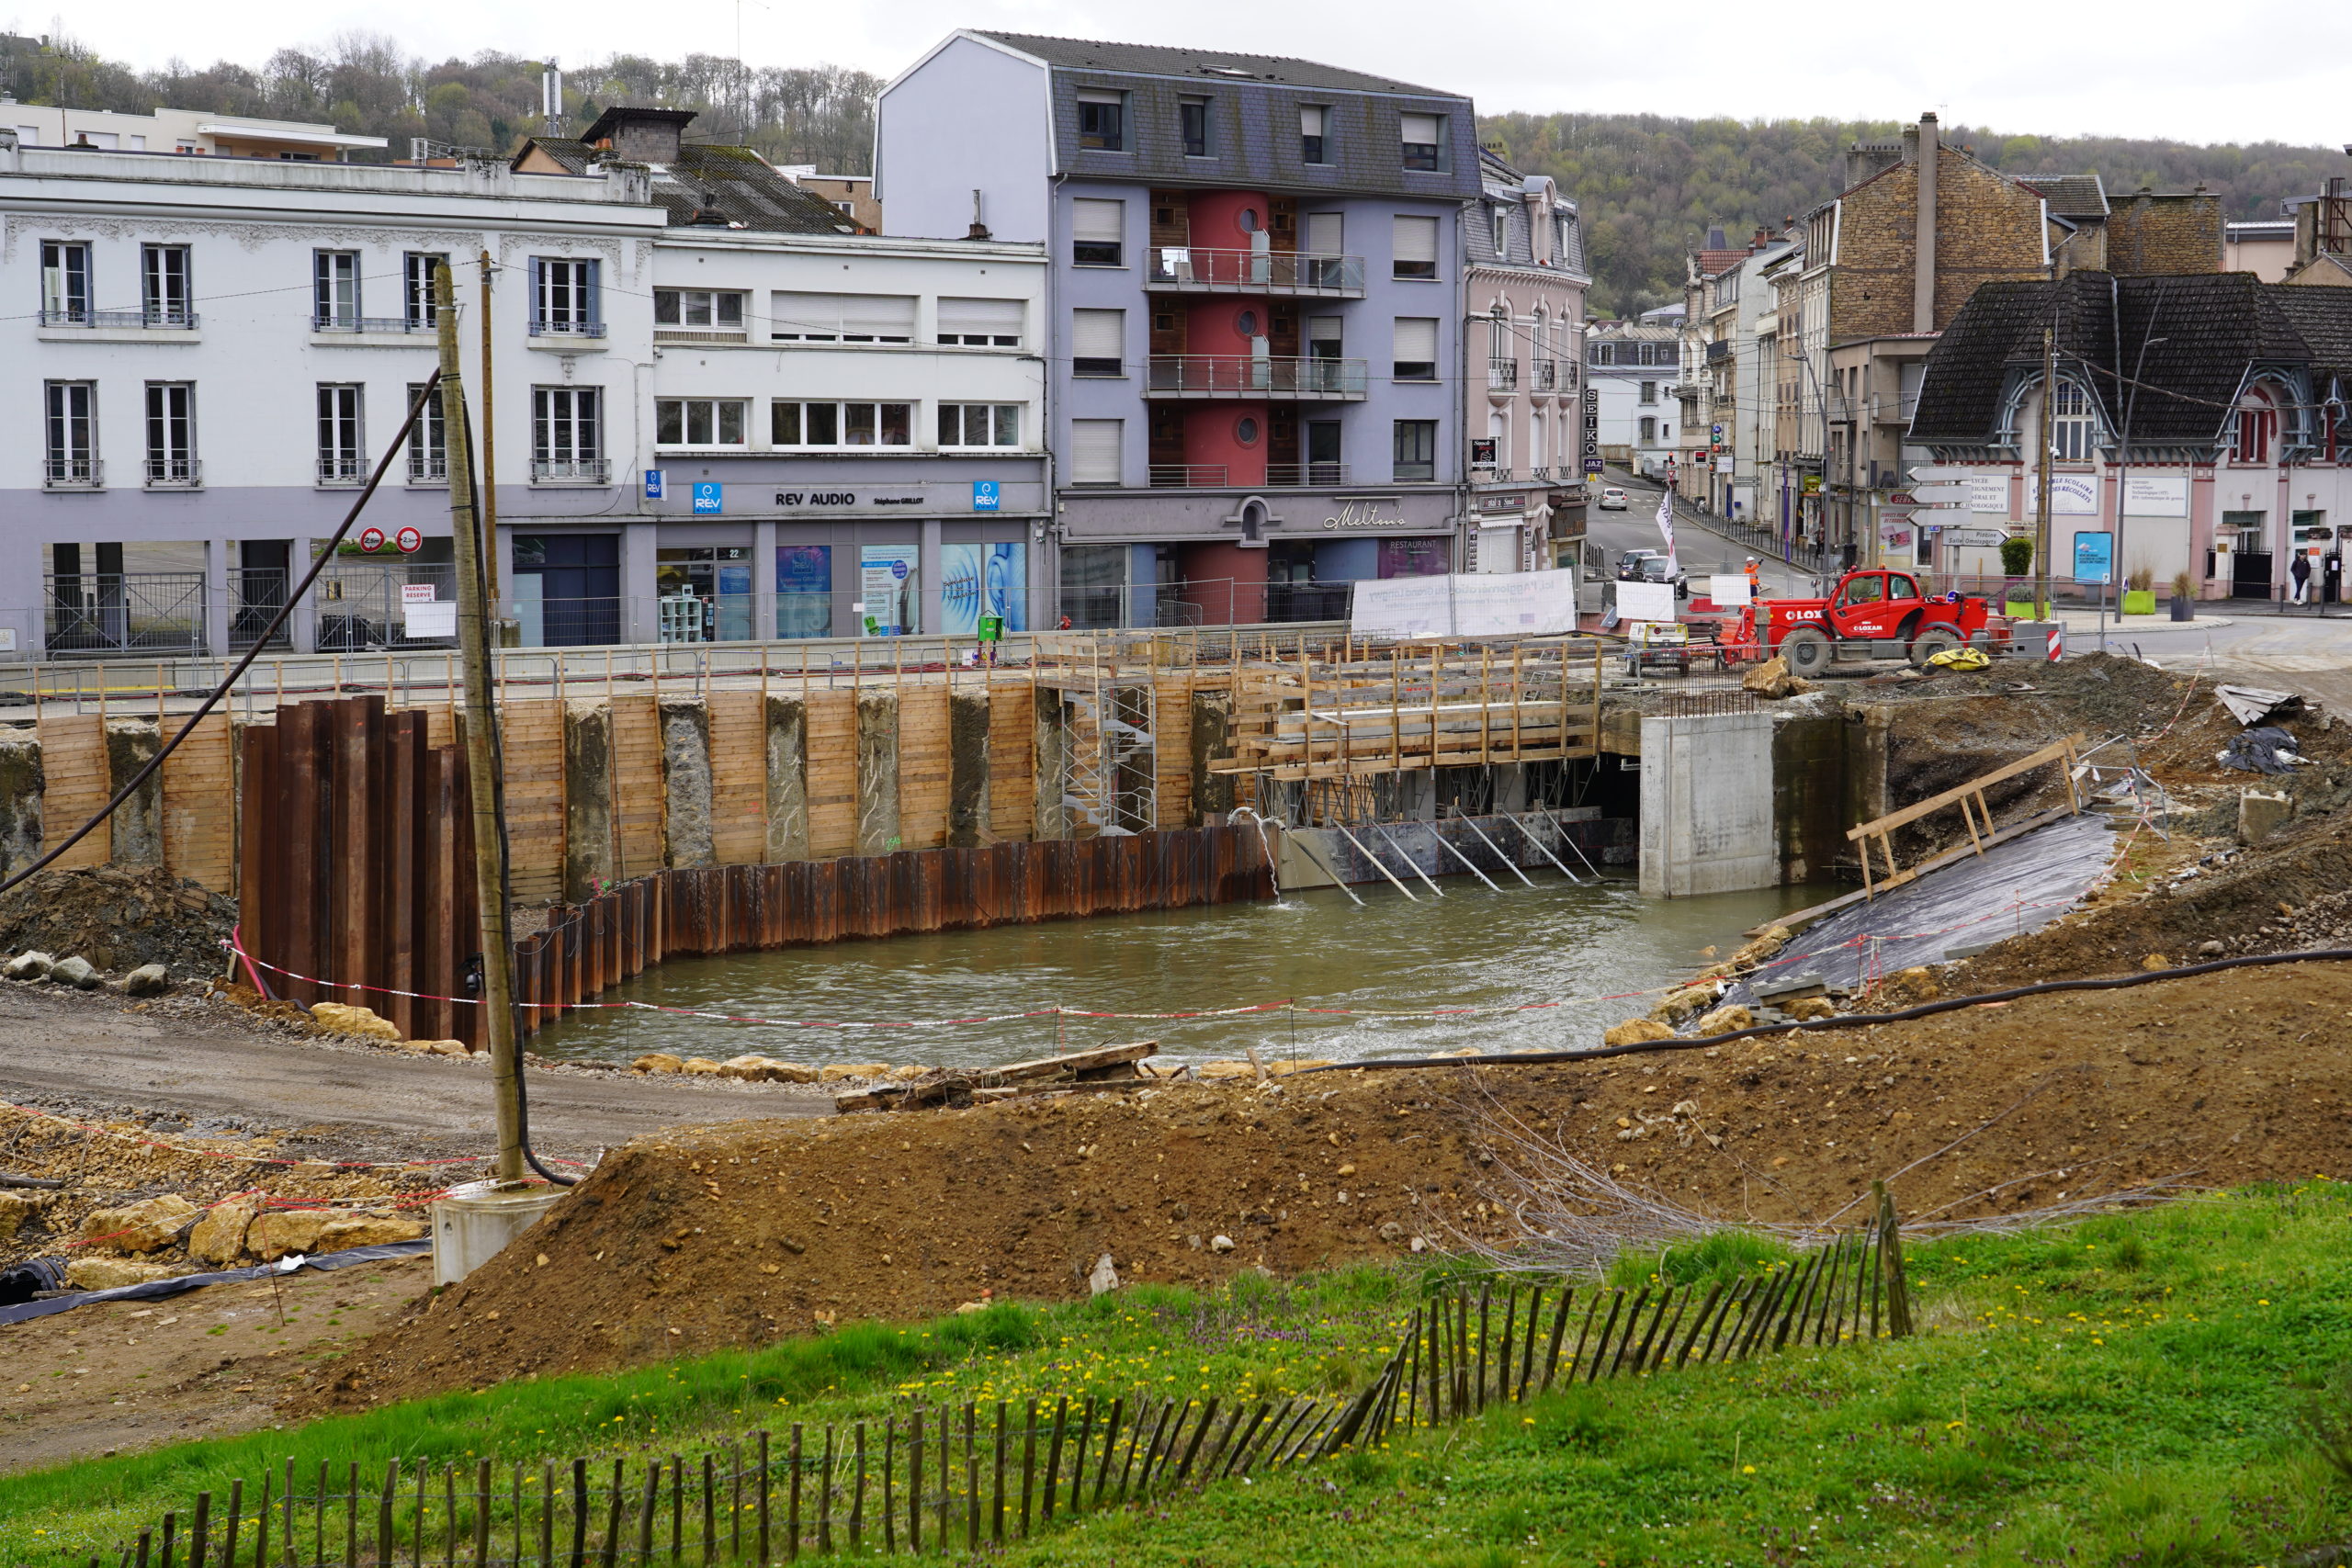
(1102, 119)
(1192, 123)
(1312, 121)
(1421, 136)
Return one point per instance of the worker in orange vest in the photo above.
(1755, 578)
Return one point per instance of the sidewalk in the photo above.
(2085, 623)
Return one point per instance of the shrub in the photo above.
(2017, 555)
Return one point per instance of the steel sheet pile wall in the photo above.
(743, 909)
(358, 869)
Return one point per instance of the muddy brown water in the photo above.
(1555, 942)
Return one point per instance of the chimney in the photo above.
(979, 230)
(1715, 241)
(1923, 265)
(551, 100)
(1763, 238)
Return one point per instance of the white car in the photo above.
(1612, 500)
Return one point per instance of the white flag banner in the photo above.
(1666, 522)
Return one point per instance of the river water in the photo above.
(1555, 942)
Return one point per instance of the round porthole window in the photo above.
(1245, 323)
(1248, 220)
(1245, 431)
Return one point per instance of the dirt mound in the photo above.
(692, 1241)
(119, 918)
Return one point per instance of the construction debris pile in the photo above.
(116, 918)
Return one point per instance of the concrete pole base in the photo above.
(475, 1221)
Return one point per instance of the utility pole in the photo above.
(2041, 480)
(489, 447)
(489, 844)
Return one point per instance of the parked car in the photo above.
(1652, 566)
(1612, 498)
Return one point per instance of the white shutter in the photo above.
(1416, 239)
(843, 315)
(1096, 221)
(992, 318)
(1310, 119)
(1098, 335)
(1421, 129)
(1094, 451)
(1323, 233)
(1416, 340)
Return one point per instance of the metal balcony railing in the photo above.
(396, 325)
(428, 467)
(1191, 269)
(1546, 375)
(574, 470)
(700, 335)
(343, 469)
(1254, 376)
(175, 317)
(1187, 475)
(174, 473)
(72, 473)
(1503, 375)
(558, 327)
(1219, 476)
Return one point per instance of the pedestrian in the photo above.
(2302, 572)
(1755, 578)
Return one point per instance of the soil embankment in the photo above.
(736, 1234)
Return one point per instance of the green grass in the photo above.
(2122, 1392)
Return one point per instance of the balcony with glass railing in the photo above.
(1191, 269)
(1242, 375)
(1217, 476)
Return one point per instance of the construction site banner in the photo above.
(1516, 604)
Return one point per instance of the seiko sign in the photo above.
(1367, 512)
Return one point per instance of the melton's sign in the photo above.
(1368, 512)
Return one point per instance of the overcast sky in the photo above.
(2124, 67)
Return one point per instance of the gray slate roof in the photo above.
(2071, 196)
(1156, 60)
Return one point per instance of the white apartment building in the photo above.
(192, 132)
(209, 356)
(1633, 367)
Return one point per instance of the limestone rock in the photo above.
(702, 1066)
(790, 1072)
(219, 1238)
(1906, 987)
(1771, 679)
(75, 972)
(28, 966)
(1686, 1003)
(1220, 1244)
(837, 1071)
(366, 1230)
(2155, 961)
(137, 1228)
(1283, 1069)
(748, 1067)
(967, 1309)
(1633, 1030)
(1723, 1020)
(1104, 1277)
(113, 1273)
(1805, 1009)
(1225, 1070)
(15, 1208)
(147, 980)
(1766, 947)
(908, 1074)
(342, 1018)
(1390, 1231)
(660, 1061)
(278, 1232)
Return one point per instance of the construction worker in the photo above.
(1755, 578)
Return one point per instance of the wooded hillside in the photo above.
(1649, 186)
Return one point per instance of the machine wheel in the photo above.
(1932, 641)
(1807, 649)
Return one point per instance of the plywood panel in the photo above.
(923, 765)
(1171, 739)
(440, 725)
(833, 773)
(639, 792)
(1012, 763)
(531, 734)
(739, 778)
(76, 784)
(200, 808)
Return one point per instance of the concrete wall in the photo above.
(1707, 805)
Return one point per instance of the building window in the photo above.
(979, 425)
(1650, 393)
(1413, 244)
(1095, 450)
(712, 309)
(165, 299)
(794, 423)
(1101, 120)
(568, 433)
(1415, 452)
(1312, 119)
(700, 422)
(563, 298)
(2073, 430)
(1415, 357)
(2251, 438)
(171, 434)
(417, 270)
(841, 318)
(1098, 343)
(1422, 134)
(429, 448)
(1649, 431)
(981, 323)
(1192, 123)
(1501, 228)
(1097, 232)
(70, 433)
(343, 451)
(64, 284)
(335, 291)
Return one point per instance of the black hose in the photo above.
(400, 439)
(1847, 1020)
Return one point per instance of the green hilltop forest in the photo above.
(1649, 185)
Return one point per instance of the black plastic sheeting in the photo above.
(2267, 748)
(154, 1289)
(2011, 888)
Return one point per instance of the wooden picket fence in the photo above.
(945, 1478)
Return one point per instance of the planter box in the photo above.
(2183, 609)
(2022, 609)
(2139, 601)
